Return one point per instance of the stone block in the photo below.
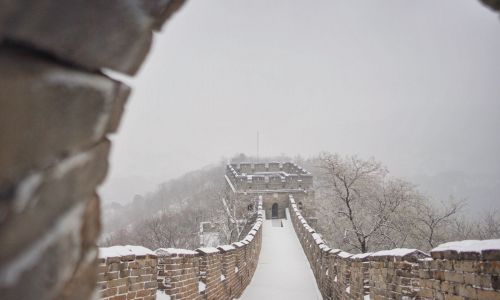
(44, 269)
(70, 182)
(90, 33)
(48, 112)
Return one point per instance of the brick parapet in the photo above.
(123, 275)
(451, 272)
(205, 273)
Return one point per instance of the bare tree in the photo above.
(489, 227)
(433, 222)
(371, 210)
(231, 215)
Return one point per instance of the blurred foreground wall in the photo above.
(56, 110)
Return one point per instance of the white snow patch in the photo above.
(344, 254)
(348, 289)
(160, 295)
(396, 252)
(70, 163)
(26, 190)
(361, 255)
(172, 251)
(236, 269)
(105, 86)
(10, 273)
(366, 297)
(222, 277)
(201, 286)
(227, 247)
(238, 244)
(208, 250)
(469, 246)
(117, 251)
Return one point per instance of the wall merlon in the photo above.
(204, 273)
(455, 271)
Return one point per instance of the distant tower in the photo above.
(274, 182)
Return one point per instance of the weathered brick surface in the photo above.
(210, 273)
(398, 273)
(56, 110)
(127, 277)
(90, 33)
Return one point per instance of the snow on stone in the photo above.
(227, 247)
(469, 246)
(283, 271)
(396, 252)
(173, 251)
(26, 190)
(208, 250)
(361, 255)
(248, 238)
(160, 295)
(238, 244)
(309, 228)
(140, 251)
(344, 254)
(222, 277)
(236, 269)
(201, 286)
(117, 251)
(10, 273)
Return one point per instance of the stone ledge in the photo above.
(83, 33)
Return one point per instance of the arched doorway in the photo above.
(274, 211)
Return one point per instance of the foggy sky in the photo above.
(413, 83)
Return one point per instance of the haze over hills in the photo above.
(191, 189)
(413, 84)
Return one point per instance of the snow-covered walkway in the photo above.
(283, 271)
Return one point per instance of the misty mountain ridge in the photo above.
(481, 192)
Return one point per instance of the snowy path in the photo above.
(283, 271)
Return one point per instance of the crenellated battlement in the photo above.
(455, 270)
(275, 176)
(273, 181)
(135, 272)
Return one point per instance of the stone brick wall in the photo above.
(56, 110)
(210, 273)
(127, 272)
(292, 176)
(457, 270)
(134, 272)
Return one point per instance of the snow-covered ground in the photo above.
(283, 271)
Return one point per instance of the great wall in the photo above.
(132, 272)
(456, 270)
(57, 110)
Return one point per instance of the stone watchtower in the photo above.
(274, 182)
